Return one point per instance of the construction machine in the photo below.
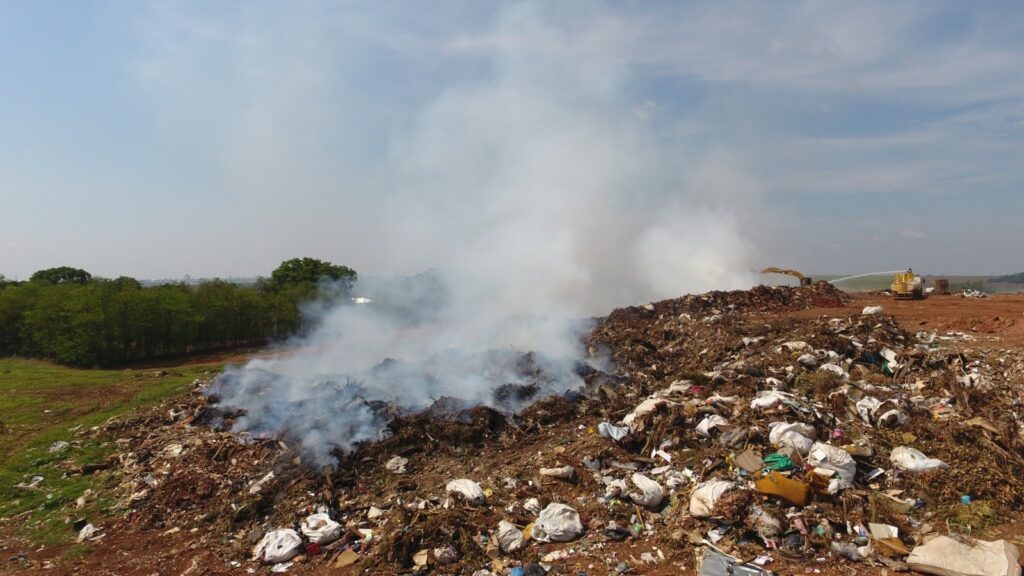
(804, 280)
(907, 286)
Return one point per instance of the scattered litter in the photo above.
(32, 484)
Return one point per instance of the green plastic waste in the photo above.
(778, 462)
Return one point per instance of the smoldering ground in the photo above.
(544, 194)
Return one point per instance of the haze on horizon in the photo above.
(163, 139)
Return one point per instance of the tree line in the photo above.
(67, 315)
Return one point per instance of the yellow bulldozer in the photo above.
(804, 280)
(907, 286)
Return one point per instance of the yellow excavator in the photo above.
(804, 280)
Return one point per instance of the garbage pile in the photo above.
(729, 436)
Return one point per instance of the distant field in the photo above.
(41, 403)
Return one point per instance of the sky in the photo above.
(159, 139)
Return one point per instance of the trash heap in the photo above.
(729, 435)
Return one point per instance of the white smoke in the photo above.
(541, 195)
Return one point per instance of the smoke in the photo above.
(539, 196)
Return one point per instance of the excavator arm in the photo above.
(804, 280)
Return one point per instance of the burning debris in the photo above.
(338, 413)
(720, 437)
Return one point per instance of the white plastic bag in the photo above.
(635, 420)
(869, 310)
(397, 465)
(704, 496)
(561, 472)
(557, 523)
(615, 489)
(833, 458)
(808, 360)
(510, 538)
(794, 435)
(470, 490)
(769, 398)
(711, 423)
(834, 369)
(278, 546)
(321, 529)
(679, 478)
(649, 493)
(865, 406)
(609, 430)
(87, 532)
(911, 460)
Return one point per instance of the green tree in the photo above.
(62, 275)
(311, 271)
(66, 315)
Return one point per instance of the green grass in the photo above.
(41, 403)
(75, 552)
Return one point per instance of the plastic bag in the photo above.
(278, 546)
(609, 430)
(649, 493)
(469, 490)
(321, 529)
(834, 369)
(636, 420)
(397, 465)
(809, 360)
(833, 458)
(794, 435)
(911, 460)
(710, 424)
(704, 496)
(557, 523)
(769, 398)
(510, 538)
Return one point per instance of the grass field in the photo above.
(42, 403)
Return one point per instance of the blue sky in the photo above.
(217, 139)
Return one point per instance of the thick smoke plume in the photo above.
(540, 196)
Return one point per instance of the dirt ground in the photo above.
(995, 321)
(199, 520)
